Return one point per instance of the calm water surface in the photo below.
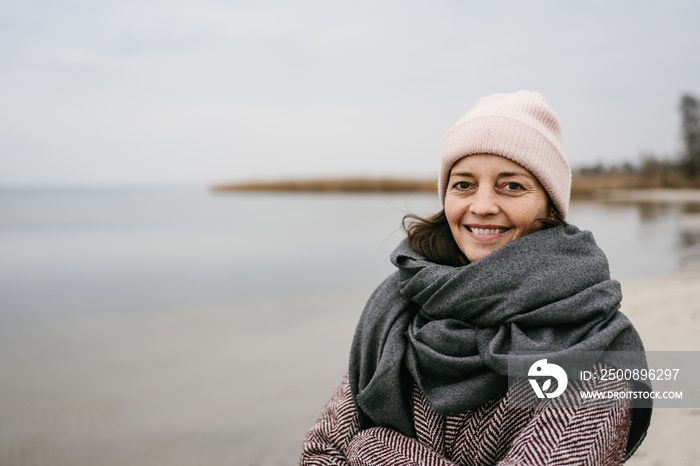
(185, 328)
(121, 248)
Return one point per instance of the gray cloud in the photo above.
(184, 91)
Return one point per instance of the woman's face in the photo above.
(490, 201)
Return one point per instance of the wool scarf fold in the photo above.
(455, 330)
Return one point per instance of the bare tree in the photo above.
(690, 113)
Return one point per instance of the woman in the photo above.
(496, 275)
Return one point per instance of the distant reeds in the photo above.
(584, 185)
(335, 185)
(587, 185)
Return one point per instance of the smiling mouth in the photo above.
(487, 231)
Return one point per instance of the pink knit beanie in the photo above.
(520, 127)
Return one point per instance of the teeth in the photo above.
(487, 231)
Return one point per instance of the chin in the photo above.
(475, 256)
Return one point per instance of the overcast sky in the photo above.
(201, 91)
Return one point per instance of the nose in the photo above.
(484, 202)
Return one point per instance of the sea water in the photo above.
(129, 247)
(186, 327)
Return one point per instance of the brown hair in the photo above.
(431, 237)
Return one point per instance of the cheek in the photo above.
(452, 211)
(542, 206)
(529, 215)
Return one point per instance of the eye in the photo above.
(461, 185)
(513, 186)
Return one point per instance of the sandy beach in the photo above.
(666, 312)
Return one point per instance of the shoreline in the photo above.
(652, 195)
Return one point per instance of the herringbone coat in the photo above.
(574, 433)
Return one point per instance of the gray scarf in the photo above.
(455, 330)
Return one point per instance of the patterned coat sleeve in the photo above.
(328, 440)
(336, 439)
